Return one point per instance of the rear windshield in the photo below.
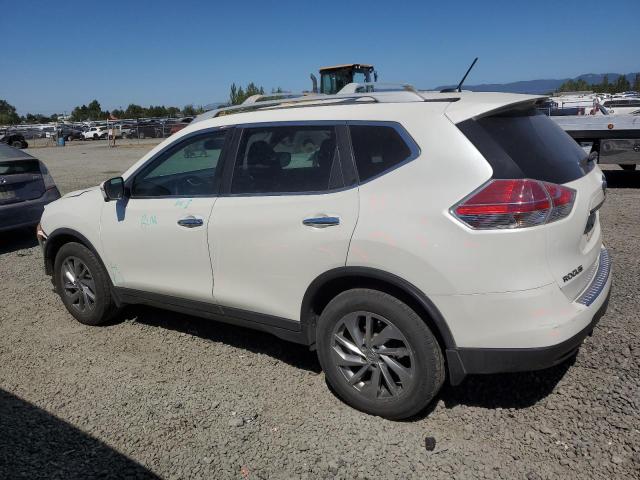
(22, 166)
(526, 144)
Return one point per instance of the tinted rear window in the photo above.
(526, 144)
(22, 166)
(377, 149)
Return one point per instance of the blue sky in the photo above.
(57, 55)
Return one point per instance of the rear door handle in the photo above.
(190, 222)
(321, 222)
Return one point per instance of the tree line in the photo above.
(93, 110)
(620, 85)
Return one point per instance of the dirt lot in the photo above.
(167, 395)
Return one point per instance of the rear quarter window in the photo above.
(526, 144)
(378, 149)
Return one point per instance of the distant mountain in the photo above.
(540, 86)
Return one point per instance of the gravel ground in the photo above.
(159, 394)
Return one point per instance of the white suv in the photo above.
(95, 133)
(406, 236)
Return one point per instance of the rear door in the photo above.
(287, 217)
(524, 143)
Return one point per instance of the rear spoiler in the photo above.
(490, 105)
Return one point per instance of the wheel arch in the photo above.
(57, 239)
(333, 282)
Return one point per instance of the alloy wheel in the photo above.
(373, 355)
(79, 285)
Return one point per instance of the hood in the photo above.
(77, 193)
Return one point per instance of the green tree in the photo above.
(93, 111)
(237, 95)
(622, 84)
(8, 114)
(37, 118)
(134, 111)
(636, 83)
(189, 110)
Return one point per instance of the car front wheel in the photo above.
(83, 284)
(378, 355)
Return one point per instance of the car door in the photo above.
(286, 217)
(155, 240)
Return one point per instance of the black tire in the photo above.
(426, 359)
(16, 144)
(103, 307)
(95, 136)
(629, 168)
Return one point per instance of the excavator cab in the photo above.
(332, 79)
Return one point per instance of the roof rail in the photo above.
(261, 97)
(397, 94)
(370, 87)
(301, 101)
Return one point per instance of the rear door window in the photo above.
(377, 149)
(526, 144)
(287, 159)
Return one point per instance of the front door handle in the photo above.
(190, 222)
(321, 222)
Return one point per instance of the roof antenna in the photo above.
(459, 87)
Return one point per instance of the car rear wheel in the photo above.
(628, 167)
(83, 284)
(16, 144)
(378, 355)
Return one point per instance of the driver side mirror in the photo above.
(113, 189)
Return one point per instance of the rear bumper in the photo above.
(25, 214)
(590, 306)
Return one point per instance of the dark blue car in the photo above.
(25, 188)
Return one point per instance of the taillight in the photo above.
(517, 203)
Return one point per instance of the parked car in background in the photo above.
(123, 131)
(146, 130)
(95, 133)
(405, 236)
(176, 127)
(70, 133)
(13, 138)
(25, 188)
